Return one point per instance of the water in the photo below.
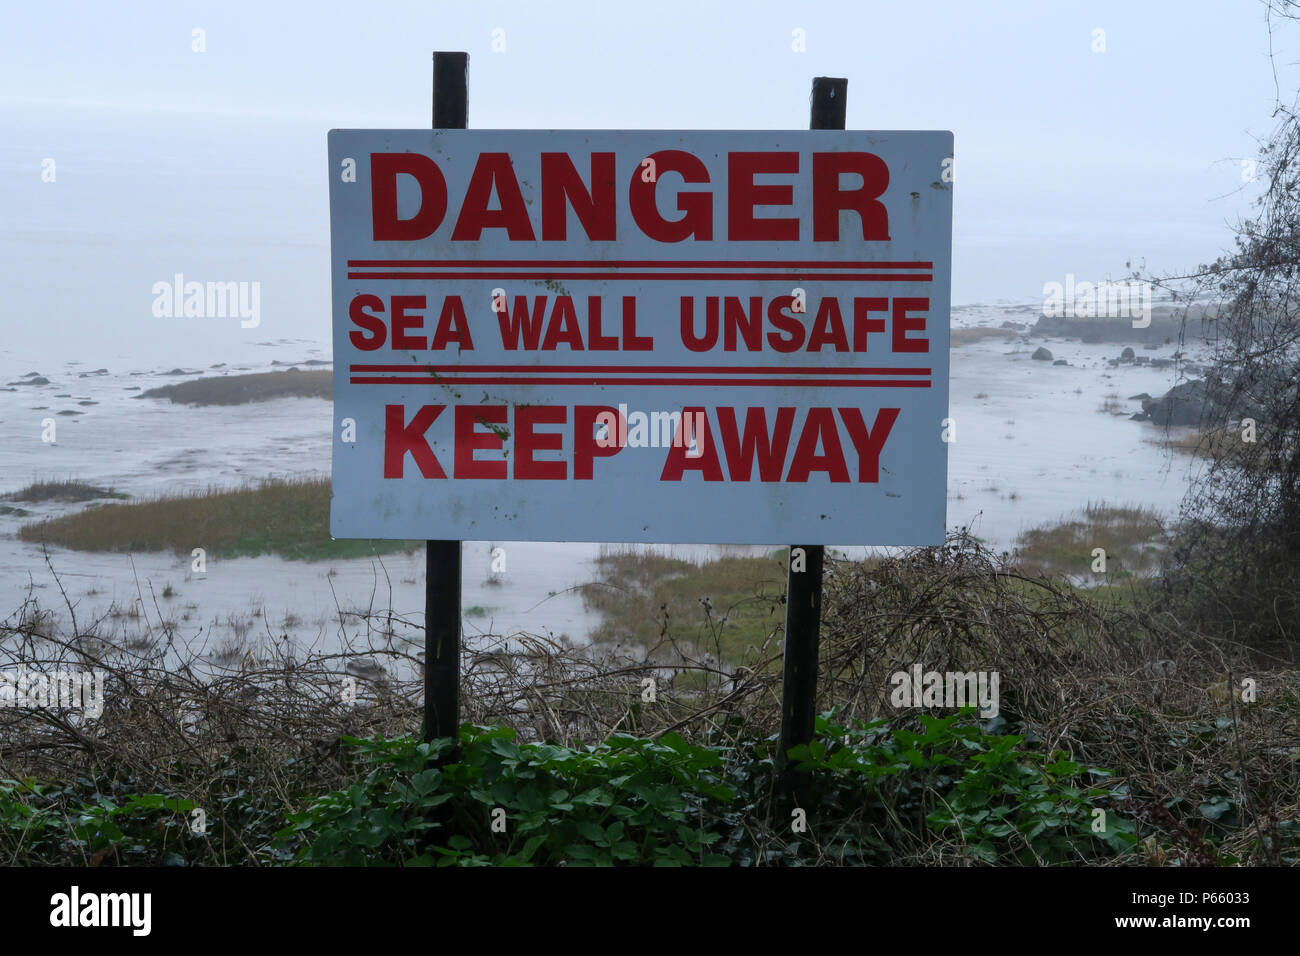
(140, 197)
(1031, 446)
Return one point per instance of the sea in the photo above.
(126, 202)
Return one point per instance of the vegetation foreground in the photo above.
(948, 790)
(1123, 737)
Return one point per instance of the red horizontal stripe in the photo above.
(598, 380)
(710, 276)
(724, 369)
(641, 263)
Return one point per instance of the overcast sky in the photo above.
(1069, 158)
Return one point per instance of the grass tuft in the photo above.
(285, 517)
(60, 491)
(1133, 538)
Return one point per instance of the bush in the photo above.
(630, 801)
(49, 823)
(985, 797)
(669, 803)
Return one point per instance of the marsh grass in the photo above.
(1112, 406)
(241, 389)
(1186, 441)
(286, 517)
(68, 490)
(728, 608)
(730, 611)
(1134, 539)
(1225, 445)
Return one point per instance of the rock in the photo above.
(1138, 397)
(1102, 329)
(1200, 402)
(1142, 360)
(1127, 354)
(1014, 326)
(1151, 347)
(1042, 355)
(1060, 362)
(38, 380)
(1161, 363)
(1139, 417)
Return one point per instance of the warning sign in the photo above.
(722, 337)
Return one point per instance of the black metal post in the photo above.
(803, 610)
(442, 558)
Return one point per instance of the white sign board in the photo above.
(714, 337)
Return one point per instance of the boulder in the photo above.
(1200, 402)
(1164, 324)
(1041, 355)
(1060, 362)
(1127, 354)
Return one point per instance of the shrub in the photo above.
(668, 803)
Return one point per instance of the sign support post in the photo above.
(803, 608)
(442, 565)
